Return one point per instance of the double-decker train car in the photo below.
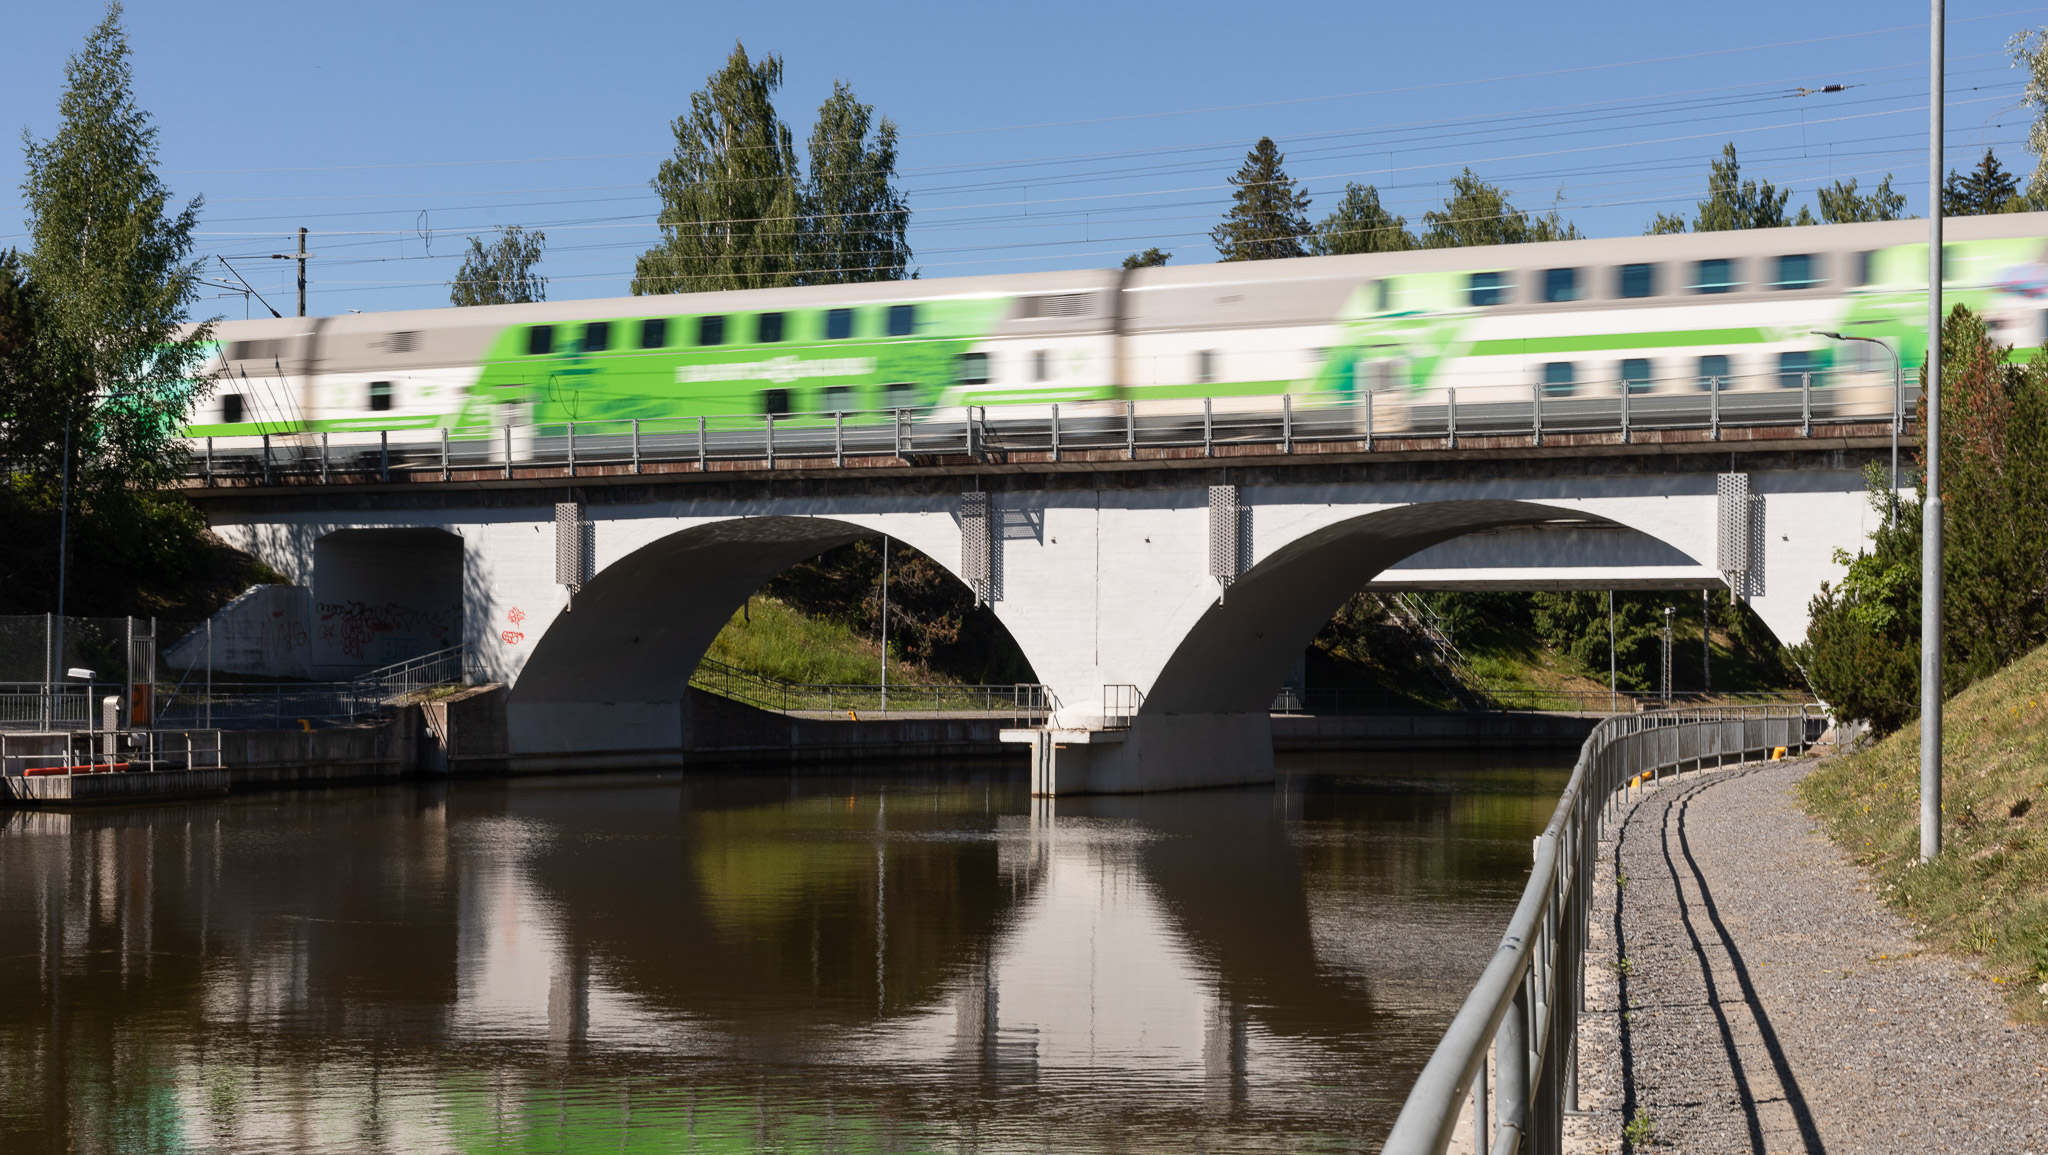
(1674, 318)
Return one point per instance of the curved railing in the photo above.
(1524, 1011)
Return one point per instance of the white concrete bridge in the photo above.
(1160, 601)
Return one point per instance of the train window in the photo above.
(540, 340)
(1713, 372)
(837, 399)
(838, 324)
(775, 402)
(1205, 366)
(1560, 379)
(1638, 280)
(1561, 284)
(1488, 288)
(1635, 371)
(231, 408)
(1797, 271)
(1949, 259)
(597, 336)
(711, 330)
(654, 333)
(974, 369)
(1385, 295)
(902, 320)
(1041, 365)
(768, 328)
(899, 395)
(1859, 267)
(1714, 275)
(1796, 364)
(380, 396)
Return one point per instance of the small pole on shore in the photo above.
(885, 624)
(1613, 687)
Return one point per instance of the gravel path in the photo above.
(1773, 1004)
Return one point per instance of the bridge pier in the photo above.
(1155, 752)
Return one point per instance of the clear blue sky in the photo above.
(1044, 136)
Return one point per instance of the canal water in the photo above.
(879, 962)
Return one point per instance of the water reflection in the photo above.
(739, 964)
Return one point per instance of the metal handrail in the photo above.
(1483, 699)
(1524, 1009)
(1279, 423)
(1016, 699)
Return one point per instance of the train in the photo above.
(1674, 316)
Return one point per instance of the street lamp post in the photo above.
(1930, 532)
(1898, 403)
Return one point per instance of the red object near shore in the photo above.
(93, 768)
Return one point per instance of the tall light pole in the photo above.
(1930, 531)
(1898, 402)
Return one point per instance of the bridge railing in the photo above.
(1521, 1019)
(1276, 423)
(1514, 699)
(1021, 702)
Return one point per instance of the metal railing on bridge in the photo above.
(1523, 1014)
(1280, 424)
(1513, 699)
(1023, 703)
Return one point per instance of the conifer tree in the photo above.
(502, 272)
(730, 206)
(1265, 219)
(111, 267)
(1841, 204)
(1733, 203)
(856, 220)
(1152, 258)
(1360, 224)
(1986, 189)
(1478, 213)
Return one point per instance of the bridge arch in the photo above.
(1238, 652)
(610, 672)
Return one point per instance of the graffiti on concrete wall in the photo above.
(359, 630)
(513, 637)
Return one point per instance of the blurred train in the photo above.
(1660, 316)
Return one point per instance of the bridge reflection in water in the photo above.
(737, 964)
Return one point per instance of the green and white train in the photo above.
(1672, 316)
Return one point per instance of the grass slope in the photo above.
(1987, 894)
(775, 641)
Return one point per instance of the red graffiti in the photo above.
(353, 626)
(512, 637)
(516, 616)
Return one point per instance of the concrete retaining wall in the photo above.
(369, 753)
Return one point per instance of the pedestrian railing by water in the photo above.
(1022, 703)
(1509, 699)
(1523, 1014)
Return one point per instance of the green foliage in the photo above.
(39, 383)
(1986, 189)
(1265, 219)
(855, 218)
(92, 344)
(1862, 649)
(501, 273)
(2029, 52)
(1664, 225)
(1152, 258)
(1841, 204)
(737, 214)
(1734, 203)
(933, 621)
(1987, 893)
(113, 273)
(1478, 213)
(1640, 1130)
(773, 639)
(730, 205)
(1360, 224)
(1575, 622)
